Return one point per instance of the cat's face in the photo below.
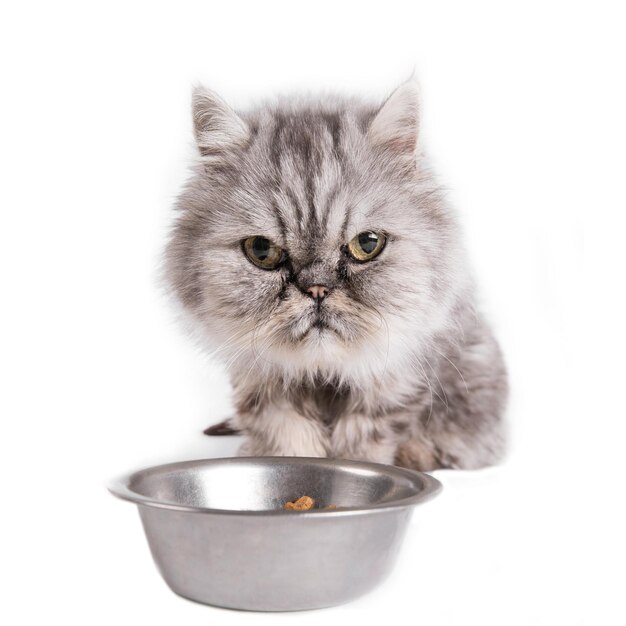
(310, 239)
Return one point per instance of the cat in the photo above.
(314, 252)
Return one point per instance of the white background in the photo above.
(524, 108)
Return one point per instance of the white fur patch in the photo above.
(281, 431)
(353, 438)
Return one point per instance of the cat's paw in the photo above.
(252, 448)
(281, 431)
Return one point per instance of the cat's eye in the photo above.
(263, 253)
(366, 245)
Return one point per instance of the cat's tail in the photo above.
(223, 428)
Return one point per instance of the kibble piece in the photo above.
(301, 504)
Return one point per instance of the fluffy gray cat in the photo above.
(316, 254)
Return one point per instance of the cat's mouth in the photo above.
(316, 323)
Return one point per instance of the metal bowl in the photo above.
(219, 535)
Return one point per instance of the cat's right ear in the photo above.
(218, 129)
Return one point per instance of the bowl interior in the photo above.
(242, 484)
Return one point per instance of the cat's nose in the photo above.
(318, 292)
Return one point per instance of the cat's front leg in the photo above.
(365, 438)
(279, 430)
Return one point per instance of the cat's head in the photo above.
(311, 239)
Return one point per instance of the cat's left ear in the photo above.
(396, 125)
(219, 130)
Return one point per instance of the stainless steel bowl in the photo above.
(219, 535)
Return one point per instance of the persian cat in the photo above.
(315, 253)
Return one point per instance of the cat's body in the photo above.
(316, 254)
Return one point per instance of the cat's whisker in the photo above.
(267, 343)
(234, 339)
(384, 321)
(241, 350)
(454, 366)
(445, 397)
(237, 340)
(415, 360)
(233, 359)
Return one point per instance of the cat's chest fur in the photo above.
(321, 400)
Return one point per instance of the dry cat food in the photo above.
(305, 503)
(301, 504)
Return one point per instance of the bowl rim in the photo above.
(428, 486)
